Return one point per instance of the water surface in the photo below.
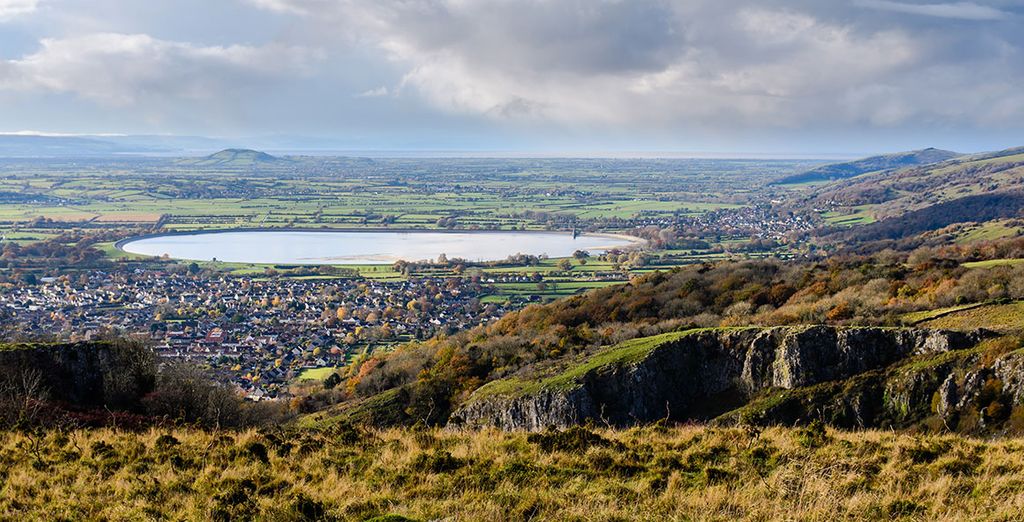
(364, 248)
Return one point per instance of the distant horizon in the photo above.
(267, 144)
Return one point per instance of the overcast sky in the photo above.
(546, 75)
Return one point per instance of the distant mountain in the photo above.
(31, 146)
(885, 162)
(233, 158)
(84, 146)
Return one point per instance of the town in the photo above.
(256, 332)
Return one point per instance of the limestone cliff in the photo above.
(726, 374)
(88, 374)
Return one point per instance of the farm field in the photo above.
(353, 192)
(42, 199)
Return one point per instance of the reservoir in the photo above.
(301, 247)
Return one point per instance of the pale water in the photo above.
(363, 248)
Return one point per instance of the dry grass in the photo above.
(687, 473)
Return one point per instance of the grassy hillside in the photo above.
(233, 158)
(885, 162)
(683, 473)
(1001, 317)
(428, 380)
(964, 199)
(892, 194)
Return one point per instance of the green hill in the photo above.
(882, 163)
(907, 202)
(233, 158)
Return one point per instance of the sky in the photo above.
(731, 76)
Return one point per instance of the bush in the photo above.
(575, 439)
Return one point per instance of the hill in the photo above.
(233, 158)
(402, 475)
(728, 375)
(905, 203)
(561, 355)
(881, 163)
(28, 146)
(102, 146)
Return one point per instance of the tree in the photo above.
(331, 381)
(193, 268)
(565, 264)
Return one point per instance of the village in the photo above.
(255, 332)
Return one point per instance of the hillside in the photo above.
(233, 158)
(899, 204)
(706, 374)
(434, 381)
(30, 146)
(401, 475)
(881, 163)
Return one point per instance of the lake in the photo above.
(296, 247)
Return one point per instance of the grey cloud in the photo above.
(698, 62)
(958, 10)
(123, 69)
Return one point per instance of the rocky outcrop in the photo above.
(703, 374)
(87, 374)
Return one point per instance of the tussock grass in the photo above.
(653, 473)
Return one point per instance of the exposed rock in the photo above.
(947, 403)
(83, 374)
(703, 374)
(1009, 369)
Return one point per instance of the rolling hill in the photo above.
(233, 158)
(898, 204)
(882, 163)
(30, 146)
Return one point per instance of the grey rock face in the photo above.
(84, 374)
(947, 404)
(707, 373)
(1009, 369)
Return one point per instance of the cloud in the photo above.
(958, 10)
(701, 63)
(643, 62)
(282, 6)
(12, 8)
(375, 93)
(126, 69)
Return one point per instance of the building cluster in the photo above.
(757, 221)
(256, 332)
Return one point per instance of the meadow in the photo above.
(652, 473)
(349, 192)
(41, 199)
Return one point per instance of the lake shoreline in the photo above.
(632, 241)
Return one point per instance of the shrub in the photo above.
(436, 462)
(575, 439)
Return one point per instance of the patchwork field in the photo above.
(346, 192)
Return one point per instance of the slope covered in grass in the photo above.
(656, 473)
(884, 162)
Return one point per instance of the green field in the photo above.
(316, 374)
(860, 215)
(351, 192)
(1001, 317)
(993, 263)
